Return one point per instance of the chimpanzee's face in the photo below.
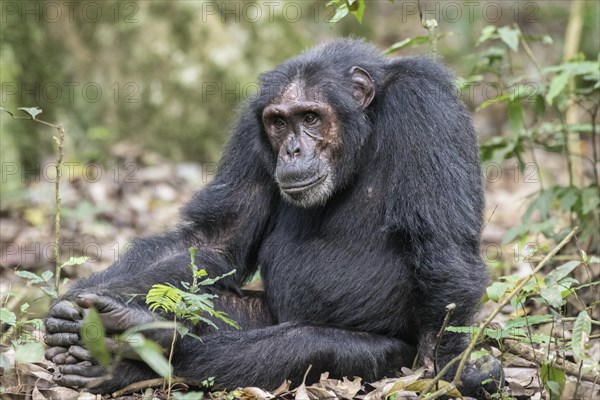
(304, 131)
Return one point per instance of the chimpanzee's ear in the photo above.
(363, 88)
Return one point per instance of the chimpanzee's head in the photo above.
(315, 117)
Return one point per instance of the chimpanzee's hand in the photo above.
(97, 379)
(76, 366)
(65, 321)
(62, 331)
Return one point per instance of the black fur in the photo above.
(353, 287)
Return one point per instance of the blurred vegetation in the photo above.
(169, 75)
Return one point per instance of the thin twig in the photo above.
(171, 351)
(60, 141)
(134, 387)
(438, 341)
(439, 376)
(538, 357)
(57, 267)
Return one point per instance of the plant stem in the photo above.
(171, 351)
(439, 376)
(449, 311)
(572, 40)
(57, 268)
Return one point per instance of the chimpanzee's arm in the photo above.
(265, 357)
(225, 223)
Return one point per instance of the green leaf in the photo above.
(93, 335)
(32, 111)
(50, 291)
(357, 8)
(521, 322)
(561, 272)
(151, 353)
(489, 102)
(163, 296)
(47, 275)
(7, 317)
(486, 33)
(510, 37)
(568, 198)
(557, 85)
(341, 12)
(6, 111)
(201, 273)
(590, 199)
(515, 116)
(554, 380)
(75, 261)
(553, 296)
(575, 68)
(408, 42)
(211, 281)
(477, 354)
(30, 276)
(543, 204)
(31, 352)
(497, 290)
(515, 232)
(581, 331)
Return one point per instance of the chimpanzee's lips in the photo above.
(303, 186)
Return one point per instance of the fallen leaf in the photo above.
(256, 393)
(321, 393)
(35, 370)
(376, 394)
(400, 384)
(345, 388)
(283, 388)
(85, 396)
(421, 384)
(301, 393)
(36, 395)
(406, 395)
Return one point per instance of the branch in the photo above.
(538, 357)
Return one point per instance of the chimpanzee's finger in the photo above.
(101, 303)
(81, 354)
(60, 359)
(66, 310)
(61, 339)
(77, 381)
(71, 360)
(59, 325)
(85, 369)
(54, 351)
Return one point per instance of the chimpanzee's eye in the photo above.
(310, 119)
(279, 123)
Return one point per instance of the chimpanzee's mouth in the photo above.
(304, 186)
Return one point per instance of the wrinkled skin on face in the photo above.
(304, 132)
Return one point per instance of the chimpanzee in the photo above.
(352, 181)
